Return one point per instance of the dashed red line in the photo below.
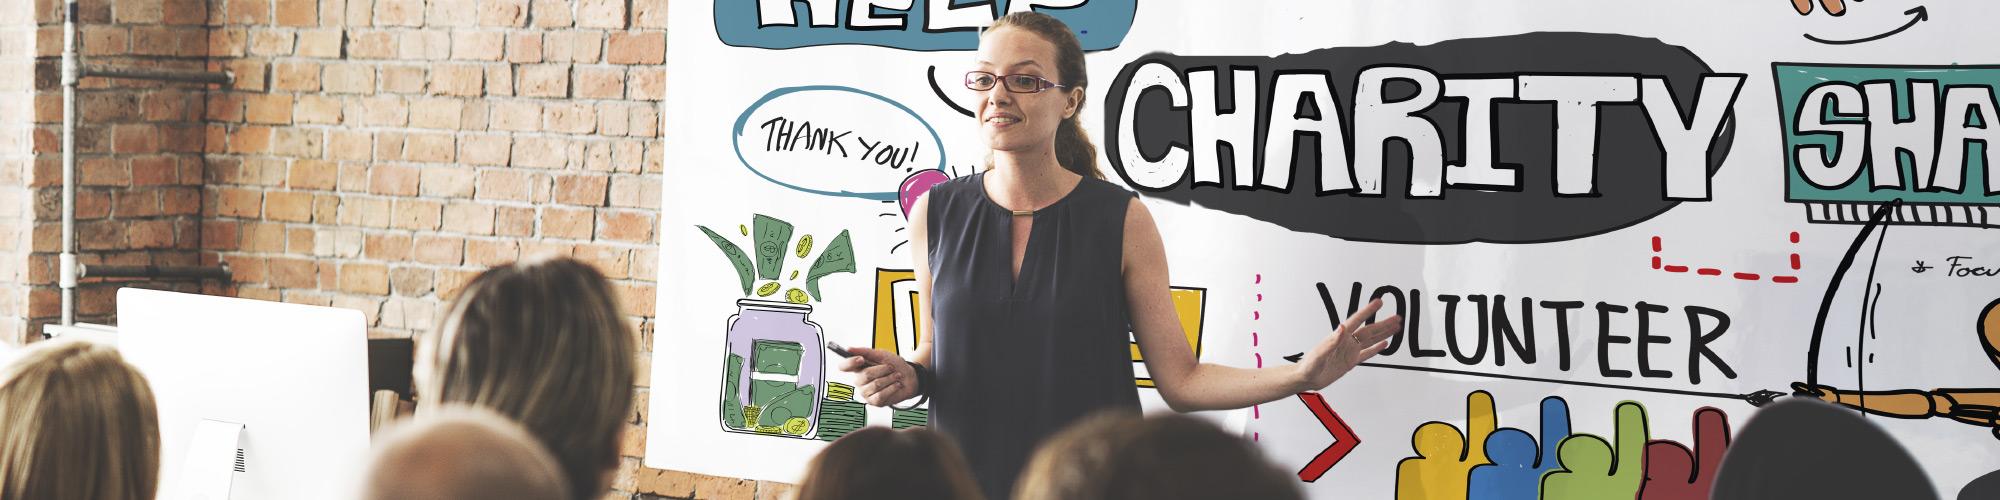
(1794, 261)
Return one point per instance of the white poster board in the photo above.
(1636, 187)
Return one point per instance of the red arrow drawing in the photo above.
(1344, 439)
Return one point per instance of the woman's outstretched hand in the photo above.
(883, 377)
(1349, 345)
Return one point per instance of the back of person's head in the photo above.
(541, 342)
(1118, 456)
(77, 422)
(1804, 448)
(877, 462)
(462, 453)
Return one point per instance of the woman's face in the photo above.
(1019, 122)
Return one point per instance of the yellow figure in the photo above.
(1979, 407)
(1445, 457)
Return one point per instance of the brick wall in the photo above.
(372, 154)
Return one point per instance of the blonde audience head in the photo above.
(876, 462)
(462, 453)
(76, 422)
(1120, 456)
(541, 342)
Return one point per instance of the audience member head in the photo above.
(1801, 448)
(76, 422)
(1121, 456)
(540, 342)
(877, 462)
(462, 453)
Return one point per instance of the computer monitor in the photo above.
(294, 376)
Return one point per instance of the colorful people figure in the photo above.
(1593, 469)
(1445, 456)
(1516, 471)
(1675, 473)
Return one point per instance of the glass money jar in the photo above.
(774, 370)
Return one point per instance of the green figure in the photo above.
(1592, 469)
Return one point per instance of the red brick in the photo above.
(233, 202)
(263, 237)
(297, 142)
(416, 215)
(349, 145)
(600, 83)
(469, 218)
(612, 261)
(298, 13)
(541, 152)
(300, 239)
(403, 79)
(265, 42)
(275, 109)
(524, 47)
(635, 192)
(364, 211)
(386, 247)
(568, 223)
(399, 12)
(312, 174)
(423, 45)
(484, 149)
(491, 252)
(587, 190)
(180, 201)
(441, 250)
(227, 42)
(392, 179)
(326, 208)
(648, 83)
(288, 206)
(295, 76)
(365, 278)
(249, 13)
(320, 43)
(505, 185)
(649, 14)
(514, 221)
(183, 12)
(627, 226)
(218, 235)
(223, 108)
(412, 282)
(430, 148)
(317, 109)
(478, 45)
(456, 79)
(570, 118)
(649, 47)
(154, 170)
(509, 13)
(608, 14)
(387, 111)
(543, 80)
(371, 44)
(293, 273)
(438, 113)
(573, 46)
(552, 13)
(131, 203)
(137, 11)
(348, 78)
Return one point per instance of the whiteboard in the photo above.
(1634, 182)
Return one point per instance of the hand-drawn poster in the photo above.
(1618, 226)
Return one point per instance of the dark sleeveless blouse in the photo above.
(1018, 361)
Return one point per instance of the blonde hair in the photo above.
(1073, 148)
(541, 342)
(77, 422)
(462, 453)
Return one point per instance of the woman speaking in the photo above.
(1035, 270)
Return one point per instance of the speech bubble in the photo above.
(835, 141)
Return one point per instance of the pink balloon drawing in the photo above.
(917, 184)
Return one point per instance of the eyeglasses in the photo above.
(1019, 84)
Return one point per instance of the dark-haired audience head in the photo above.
(1121, 456)
(877, 462)
(1802, 448)
(541, 342)
(462, 453)
(77, 422)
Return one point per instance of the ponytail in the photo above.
(1073, 147)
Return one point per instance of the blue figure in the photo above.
(1516, 472)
